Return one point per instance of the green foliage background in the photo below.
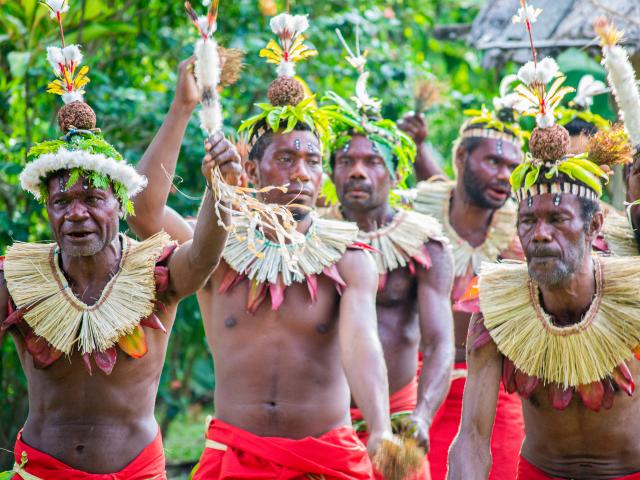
(133, 48)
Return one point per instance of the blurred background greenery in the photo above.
(133, 48)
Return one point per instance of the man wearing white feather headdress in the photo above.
(290, 321)
(90, 313)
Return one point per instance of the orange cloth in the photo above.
(148, 465)
(404, 400)
(233, 453)
(506, 440)
(527, 471)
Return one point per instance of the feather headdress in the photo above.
(363, 117)
(82, 151)
(289, 103)
(622, 78)
(549, 168)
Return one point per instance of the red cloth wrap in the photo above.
(148, 465)
(337, 455)
(404, 400)
(508, 432)
(527, 471)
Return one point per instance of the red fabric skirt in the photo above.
(506, 440)
(526, 471)
(148, 465)
(404, 400)
(233, 453)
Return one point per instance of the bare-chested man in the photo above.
(561, 330)
(414, 262)
(82, 312)
(284, 367)
(478, 218)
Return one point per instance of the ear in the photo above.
(460, 155)
(597, 222)
(251, 168)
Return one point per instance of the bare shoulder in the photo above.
(441, 271)
(357, 268)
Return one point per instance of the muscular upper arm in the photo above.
(358, 302)
(170, 221)
(484, 366)
(434, 293)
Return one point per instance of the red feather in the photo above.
(106, 360)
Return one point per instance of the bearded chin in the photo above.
(473, 191)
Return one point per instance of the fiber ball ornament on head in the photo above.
(82, 151)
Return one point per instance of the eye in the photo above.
(284, 159)
(343, 161)
(60, 202)
(493, 162)
(374, 161)
(313, 160)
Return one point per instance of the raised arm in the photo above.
(192, 264)
(158, 164)
(360, 346)
(470, 453)
(425, 165)
(436, 330)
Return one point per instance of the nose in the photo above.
(542, 232)
(76, 212)
(299, 172)
(504, 173)
(357, 171)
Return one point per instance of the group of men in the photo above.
(376, 324)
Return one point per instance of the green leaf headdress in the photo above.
(289, 102)
(549, 169)
(363, 117)
(82, 150)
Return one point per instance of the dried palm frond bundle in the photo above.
(398, 458)
(427, 93)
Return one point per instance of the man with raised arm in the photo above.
(291, 324)
(90, 313)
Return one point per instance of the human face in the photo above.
(361, 177)
(486, 170)
(291, 159)
(554, 238)
(84, 220)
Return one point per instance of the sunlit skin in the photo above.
(575, 442)
(482, 187)
(99, 423)
(410, 307)
(278, 373)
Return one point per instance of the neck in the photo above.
(370, 220)
(570, 299)
(94, 269)
(468, 220)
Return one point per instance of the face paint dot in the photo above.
(556, 199)
(500, 147)
(346, 147)
(297, 144)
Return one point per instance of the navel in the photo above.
(230, 322)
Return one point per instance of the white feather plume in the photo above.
(622, 80)
(207, 72)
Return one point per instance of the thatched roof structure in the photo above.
(563, 24)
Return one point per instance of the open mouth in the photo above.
(78, 235)
(499, 193)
